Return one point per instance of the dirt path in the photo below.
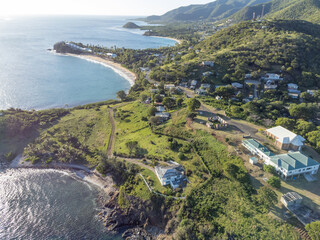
(112, 135)
(137, 161)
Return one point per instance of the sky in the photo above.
(92, 7)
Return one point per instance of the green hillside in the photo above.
(308, 10)
(289, 46)
(212, 11)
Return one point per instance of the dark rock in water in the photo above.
(137, 234)
(131, 25)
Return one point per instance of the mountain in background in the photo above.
(211, 11)
(308, 10)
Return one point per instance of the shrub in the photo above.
(181, 156)
(269, 169)
(274, 182)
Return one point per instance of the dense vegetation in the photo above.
(308, 10)
(211, 12)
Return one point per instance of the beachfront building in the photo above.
(286, 139)
(171, 175)
(257, 148)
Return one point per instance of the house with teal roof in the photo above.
(294, 163)
(257, 148)
(289, 164)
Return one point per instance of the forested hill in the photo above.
(291, 46)
(308, 10)
(216, 10)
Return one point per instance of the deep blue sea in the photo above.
(49, 205)
(33, 78)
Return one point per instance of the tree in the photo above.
(314, 138)
(269, 169)
(266, 197)
(193, 104)
(144, 97)
(152, 111)
(179, 102)
(122, 198)
(225, 92)
(313, 230)
(158, 98)
(131, 145)
(303, 110)
(122, 95)
(286, 123)
(169, 102)
(274, 182)
(307, 97)
(154, 121)
(304, 127)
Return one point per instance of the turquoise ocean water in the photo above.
(33, 78)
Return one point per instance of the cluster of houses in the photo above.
(293, 163)
(271, 81)
(172, 175)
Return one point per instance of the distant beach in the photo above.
(122, 71)
(174, 39)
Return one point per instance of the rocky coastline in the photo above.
(135, 219)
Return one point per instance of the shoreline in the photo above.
(174, 39)
(106, 184)
(116, 67)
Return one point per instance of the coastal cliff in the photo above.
(143, 219)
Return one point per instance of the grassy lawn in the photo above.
(132, 128)
(91, 127)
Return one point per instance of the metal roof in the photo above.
(293, 161)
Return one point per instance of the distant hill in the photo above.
(212, 11)
(131, 25)
(308, 10)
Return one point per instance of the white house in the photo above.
(163, 115)
(273, 76)
(292, 86)
(208, 63)
(160, 108)
(237, 85)
(171, 175)
(207, 74)
(169, 86)
(113, 55)
(291, 164)
(205, 85)
(257, 148)
(286, 139)
(201, 92)
(270, 84)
